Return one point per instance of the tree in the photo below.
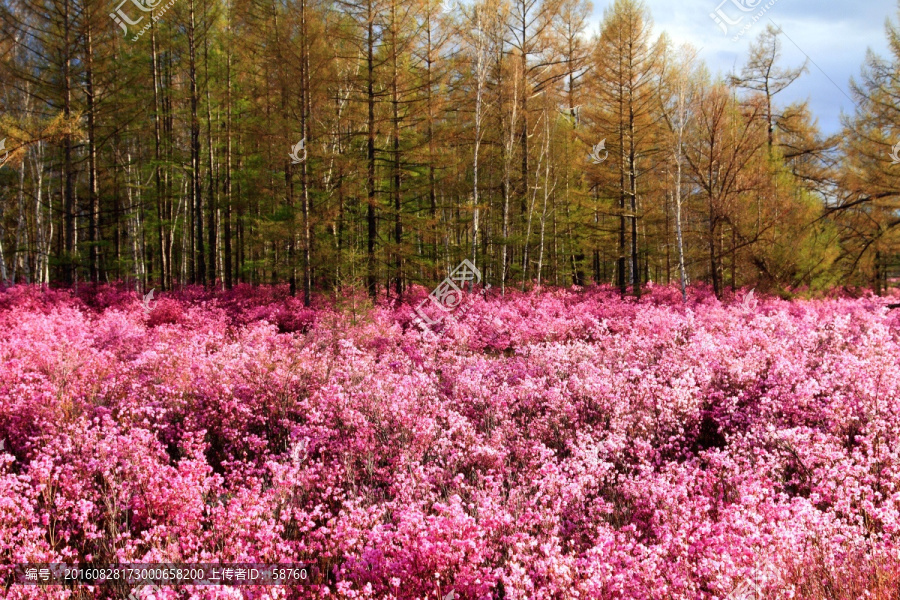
(869, 194)
(680, 81)
(625, 82)
(724, 143)
(762, 74)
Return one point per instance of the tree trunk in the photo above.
(395, 135)
(162, 238)
(68, 262)
(198, 262)
(212, 208)
(679, 229)
(227, 243)
(713, 262)
(372, 283)
(93, 191)
(305, 115)
(632, 192)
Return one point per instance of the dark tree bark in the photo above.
(93, 191)
(199, 264)
(69, 208)
(226, 233)
(372, 282)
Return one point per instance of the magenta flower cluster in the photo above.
(552, 445)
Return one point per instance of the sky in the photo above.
(834, 34)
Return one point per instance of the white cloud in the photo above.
(834, 34)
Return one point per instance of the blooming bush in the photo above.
(558, 444)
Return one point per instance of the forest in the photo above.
(377, 143)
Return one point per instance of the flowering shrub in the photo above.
(556, 444)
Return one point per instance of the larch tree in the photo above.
(867, 198)
(624, 79)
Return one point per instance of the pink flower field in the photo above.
(556, 444)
